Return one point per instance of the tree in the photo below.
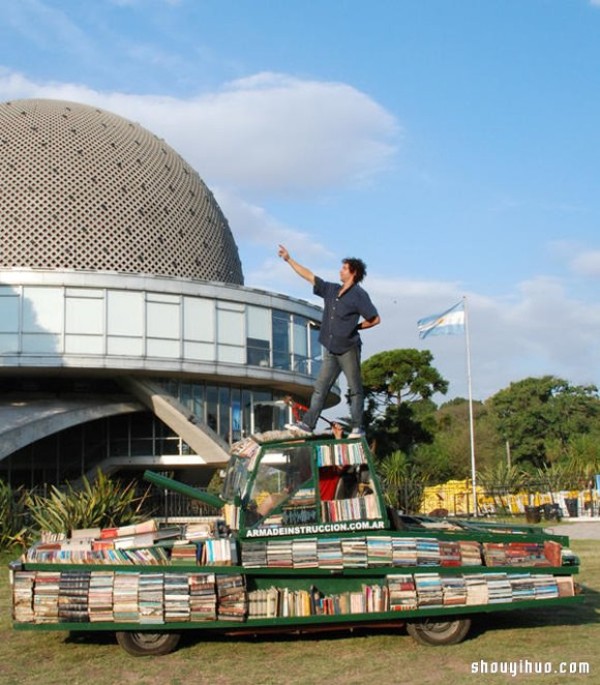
(535, 413)
(399, 385)
(402, 375)
(449, 455)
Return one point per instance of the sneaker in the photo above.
(300, 429)
(357, 433)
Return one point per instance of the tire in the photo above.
(147, 644)
(431, 632)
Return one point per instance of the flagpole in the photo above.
(471, 423)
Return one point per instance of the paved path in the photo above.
(578, 529)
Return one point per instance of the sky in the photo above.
(454, 146)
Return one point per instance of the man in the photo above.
(347, 310)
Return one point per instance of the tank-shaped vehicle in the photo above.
(301, 540)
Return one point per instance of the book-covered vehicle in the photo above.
(301, 540)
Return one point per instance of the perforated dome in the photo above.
(81, 188)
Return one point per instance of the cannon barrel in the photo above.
(183, 489)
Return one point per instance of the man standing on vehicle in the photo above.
(347, 310)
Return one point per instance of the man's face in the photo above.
(346, 276)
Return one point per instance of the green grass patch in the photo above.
(545, 636)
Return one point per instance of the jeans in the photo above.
(333, 364)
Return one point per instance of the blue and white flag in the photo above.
(450, 322)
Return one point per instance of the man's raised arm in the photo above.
(307, 274)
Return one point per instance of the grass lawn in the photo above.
(542, 638)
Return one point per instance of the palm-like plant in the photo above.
(101, 503)
(13, 529)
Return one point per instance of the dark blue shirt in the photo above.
(339, 331)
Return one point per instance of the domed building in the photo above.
(127, 337)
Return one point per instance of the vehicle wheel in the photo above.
(430, 632)
(147, 644)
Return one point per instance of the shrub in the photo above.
(102, 503)
(13, 529)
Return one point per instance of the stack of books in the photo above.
(522, 587)
(494, 554)
(254, 554)
(279, 554)
(100, 602)
(526, 554)
(470, 553)
(22, 583)
(125, 598)
(263, 603)
(304, 553)
(341, 454)
(177, 597)
(73, 593)
(428, 552)
(521, 554)
(429, 589)
(375, 599)
(450, 553)
(355, 552)
(545, 586)
(45, 598)
(499, 588)
(402, 592)
(128, 537)
(151, 598)
(232, 603)
(477, 589)
(404, 551)
(185, 553)
(353, 509)
(454, 590)
(329, 553)
(379, 551)
(231, 515)
(220, 552)
(203, 597)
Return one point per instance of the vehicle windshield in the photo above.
(283, 478)
(241, 465)
(236, 477)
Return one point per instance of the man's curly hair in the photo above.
(357, 268)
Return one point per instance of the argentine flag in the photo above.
(450, 322)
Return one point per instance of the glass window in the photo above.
(197, 402)
(316, 353)
(230, 324)
(9, 309)
(300, 344)
(42, 309)
(236, 414)
(258, 352)
(283, 487)
(125, 313)
(198, 319)
(247, 422)
(281, 340)
(212, 398)
(224, 407)
(258, 331)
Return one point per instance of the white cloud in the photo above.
(267, 133)
(587, 263)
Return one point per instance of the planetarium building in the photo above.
(127, 337)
